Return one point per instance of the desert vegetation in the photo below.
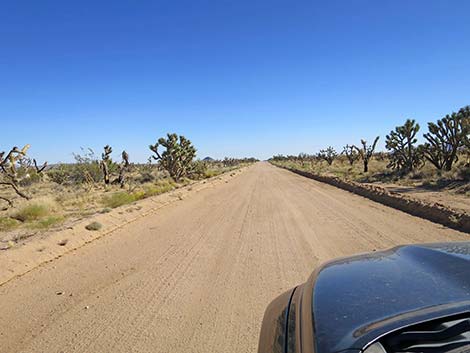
(36, 197)
(440, 162)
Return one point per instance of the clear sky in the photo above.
(239, 78)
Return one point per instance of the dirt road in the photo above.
(197, 276)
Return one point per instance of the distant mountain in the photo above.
(208, 159)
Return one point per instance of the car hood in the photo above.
(357, 299)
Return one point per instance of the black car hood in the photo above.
(357, 299)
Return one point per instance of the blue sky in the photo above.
(239, 78)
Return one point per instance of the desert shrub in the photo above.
(86, 168)
(32, 212)
(93, 226)
(198, 170)
(145, 177)
(145, 172)
(60, 174)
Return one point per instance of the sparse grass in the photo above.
(47, 222)
(32, 212)
(7, 223)
(118, 199)
(94, 226)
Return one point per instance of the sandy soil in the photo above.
(197, 275)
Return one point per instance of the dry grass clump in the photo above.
(47, 222)
(211, 173)
(32, 212)
(118, 199)
(40, 214)
(124, 198)
(160, 187)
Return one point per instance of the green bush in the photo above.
(87, 167)
(60, 174)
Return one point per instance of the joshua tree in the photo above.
(328, 155)
(9, 175)
(303, 157)
(404, 155)
(106, 162)
(366, 152)
(123, 168)
(445, 138)
(465, 115)
(351, 154)
(177, 158)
